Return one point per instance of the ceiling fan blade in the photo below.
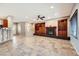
(38, 16)
(43, 17)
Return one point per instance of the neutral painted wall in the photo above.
(74, 41)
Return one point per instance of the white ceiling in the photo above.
(29, 11)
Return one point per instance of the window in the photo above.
(73, 24)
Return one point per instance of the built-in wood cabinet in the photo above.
(5, 23)
(62, 28)
(40, 28)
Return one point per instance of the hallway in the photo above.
(37, 46)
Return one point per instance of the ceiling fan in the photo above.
(40, 17)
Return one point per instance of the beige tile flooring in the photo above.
(36, 46)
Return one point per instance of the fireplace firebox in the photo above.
(50, 31)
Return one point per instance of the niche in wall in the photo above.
(74, 24)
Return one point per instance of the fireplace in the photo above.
(41, 30)
(50, 31)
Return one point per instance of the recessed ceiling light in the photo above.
(51, 7)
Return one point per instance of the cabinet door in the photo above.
(62, 28)
(40, 28)
(5, 23)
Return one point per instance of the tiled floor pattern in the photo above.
(37, 46)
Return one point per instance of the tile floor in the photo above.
(36, 46)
